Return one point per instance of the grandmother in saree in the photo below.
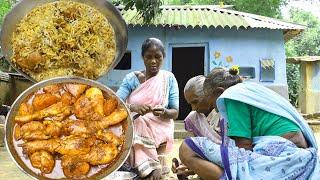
(202, 121)
(152, 96)
(263, 136)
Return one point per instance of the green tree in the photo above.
(270, 8)
(147, 9)
(4, 8)
(293, 75)
(195, 2)
(306, 44)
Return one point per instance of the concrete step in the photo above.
(179, 130)
(182, 134)
(178, 124)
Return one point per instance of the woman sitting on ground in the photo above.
(202, 121)
(263, 136)
(152, 96)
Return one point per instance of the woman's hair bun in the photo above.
(234, 70)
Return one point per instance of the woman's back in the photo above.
(248, 121)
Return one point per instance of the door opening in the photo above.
(187, 62)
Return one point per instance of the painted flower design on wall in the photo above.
(229, 59)
(221, 61)
(217, 54)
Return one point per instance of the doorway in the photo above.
(187, 62)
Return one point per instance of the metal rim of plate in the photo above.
(25, 6)
(9, 126)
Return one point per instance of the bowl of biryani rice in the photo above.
(52, 38)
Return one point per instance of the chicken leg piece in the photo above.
(114, 118)
(36, 130)
(25, 109)
(42, 160)
(74, 169)
(75, 145)
(70, 145)
(91, 105)
(95, 95)
(110, 104)
(109, 137)
(57, 109)
(33, 130)
(76, 89)
(91, 127)
(42, 101)
(77, 166)
(53, 128)
(102, 154)
(49, 145)
(17, 132)
(53, 89)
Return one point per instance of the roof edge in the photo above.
(299, 59)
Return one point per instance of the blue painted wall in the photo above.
(246, 47)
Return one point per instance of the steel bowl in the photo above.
(23, 7)
(10, 123)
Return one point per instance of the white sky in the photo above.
(307, 5)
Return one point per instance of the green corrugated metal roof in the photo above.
(212, 16)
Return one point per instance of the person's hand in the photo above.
(140, 109)
(183, 172)
(182, 169)
(159, 111)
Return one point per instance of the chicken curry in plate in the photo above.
(69, 130)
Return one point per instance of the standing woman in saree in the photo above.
(152, 96)
(263, 136)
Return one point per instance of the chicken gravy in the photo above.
(57, 172)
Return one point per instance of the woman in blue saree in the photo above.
(263, 136)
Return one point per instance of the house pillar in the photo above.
(309, 99)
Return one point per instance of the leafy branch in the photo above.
(146, 9)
